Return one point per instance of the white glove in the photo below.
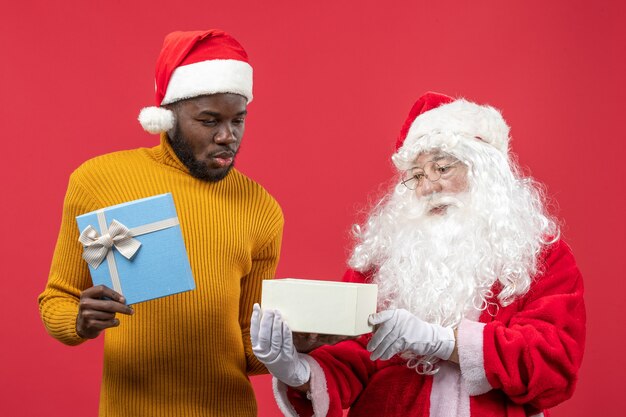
(272, 344)
(401, 331)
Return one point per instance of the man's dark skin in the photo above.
(206, 139)
(208, 133)
(96, 311)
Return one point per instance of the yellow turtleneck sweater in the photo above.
(188, 354)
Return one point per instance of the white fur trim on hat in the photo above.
(444, 126)
(210, 77)
(156, 119)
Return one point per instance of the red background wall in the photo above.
(333, 83)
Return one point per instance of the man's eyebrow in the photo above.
(218, 114)
(439, 157)
(436, 158)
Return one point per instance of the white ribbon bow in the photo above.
(96, 247)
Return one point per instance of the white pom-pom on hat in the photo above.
(156, 119)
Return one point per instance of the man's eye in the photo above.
(238, 121)
(446, 168)
(208, 122)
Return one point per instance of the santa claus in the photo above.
(481, 309)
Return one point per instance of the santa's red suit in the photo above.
(517, 360)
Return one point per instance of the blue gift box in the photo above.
(141, 253)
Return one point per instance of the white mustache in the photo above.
(437, 200)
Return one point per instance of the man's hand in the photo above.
(96, 311)
(272, 344)
(400, 331)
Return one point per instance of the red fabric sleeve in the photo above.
(300, 403)
(533, 350)
(347, 369)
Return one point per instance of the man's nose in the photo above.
(429, 187)
(225, 135)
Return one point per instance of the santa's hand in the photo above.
(272, 344)
(400, 331)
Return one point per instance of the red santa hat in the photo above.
(440, 121)
(193, 64)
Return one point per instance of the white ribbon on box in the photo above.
(96, 247)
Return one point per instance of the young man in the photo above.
(188, 354)
(481, 309)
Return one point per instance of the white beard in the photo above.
(442, 267)
(431, 267)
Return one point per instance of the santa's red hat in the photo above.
(193, 64)
(440, 121)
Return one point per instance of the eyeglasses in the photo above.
(414, 177)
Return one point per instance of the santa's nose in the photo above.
(428, 187)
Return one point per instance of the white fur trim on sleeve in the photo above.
(471, 357)
(210, 77)
(318, 392)
(280, 395)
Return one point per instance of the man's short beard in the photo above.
(197, 169)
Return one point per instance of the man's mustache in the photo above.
(437, 200)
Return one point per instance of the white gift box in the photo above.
(325, 307)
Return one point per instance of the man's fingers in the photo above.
(287, 338)
(381, 345)
(91, 326)
(389, 339)
(386, 320)
(277, 330)
(277, 334)
(265, 331)
(255, 324)
(381, 317)
(269, 340)
(104, 324)
(92, 315)
(393, 349)
(102, 298)
(108, 306)
(380, 334)
(102, 291)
